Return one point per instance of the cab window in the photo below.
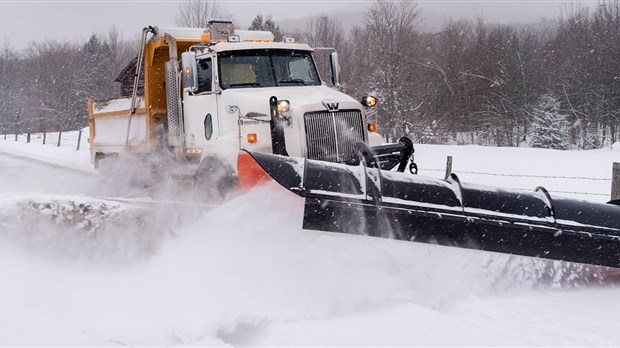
(205, 75)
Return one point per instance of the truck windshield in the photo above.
(266, 68)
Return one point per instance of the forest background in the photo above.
(551, 84)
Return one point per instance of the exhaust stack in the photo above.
(173, 99)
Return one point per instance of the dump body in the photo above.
(106, 118)
(109, 119)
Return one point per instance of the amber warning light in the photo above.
(372, 127)
(252, 138)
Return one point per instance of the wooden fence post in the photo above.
(28, 137)
(448, 167)
(615, 181)
(44, 136)
(59, 134)
(4, 136)
(79, 139)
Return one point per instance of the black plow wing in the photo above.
(369, 201)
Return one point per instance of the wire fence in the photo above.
(72, 138)
(524, 175)
(615, 182)
(566, 192)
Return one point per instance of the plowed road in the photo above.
(23, 175)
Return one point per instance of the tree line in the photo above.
(471, 82)
(45, 86)
(476, 82)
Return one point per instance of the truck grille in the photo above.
(332, 136)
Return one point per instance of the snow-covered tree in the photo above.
(549, 128)
(387, 40)
(10, 97)
(591, 137)
(267, 24)
(427, 135)
(324, 31)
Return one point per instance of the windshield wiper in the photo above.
(246, 84)
(297, 81)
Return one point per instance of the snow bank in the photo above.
(246, 274)
(77, 270)
(79, 228)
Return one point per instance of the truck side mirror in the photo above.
(333, 59)
(189, 72)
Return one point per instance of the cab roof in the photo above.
(248, 45)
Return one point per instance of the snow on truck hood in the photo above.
(301, 98)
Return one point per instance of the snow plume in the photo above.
(511, 272)
(253, 250)
(230, 277)
(128, 173)
(161, 177)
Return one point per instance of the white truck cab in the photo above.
(231, 90)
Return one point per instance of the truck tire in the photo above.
(98, 157)
(215, 181)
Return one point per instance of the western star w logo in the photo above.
(331, 105)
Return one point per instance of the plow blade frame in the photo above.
(373, 202)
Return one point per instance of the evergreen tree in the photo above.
(427, 135)
(549, 128)
(98, 72)
(267, 24)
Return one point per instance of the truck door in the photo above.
(200, 108)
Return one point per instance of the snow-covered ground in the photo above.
(75, 270)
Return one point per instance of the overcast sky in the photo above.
(22, 22)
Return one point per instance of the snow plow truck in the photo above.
(233, 108)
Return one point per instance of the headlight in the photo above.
(283, 106)
(369, 101)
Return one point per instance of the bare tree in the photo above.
(55, 71)
(11, 88)
(392, 72)
(471, 82)
(198, 13)
(323, 31)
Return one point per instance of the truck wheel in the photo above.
(98, 157)
(215, 181)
